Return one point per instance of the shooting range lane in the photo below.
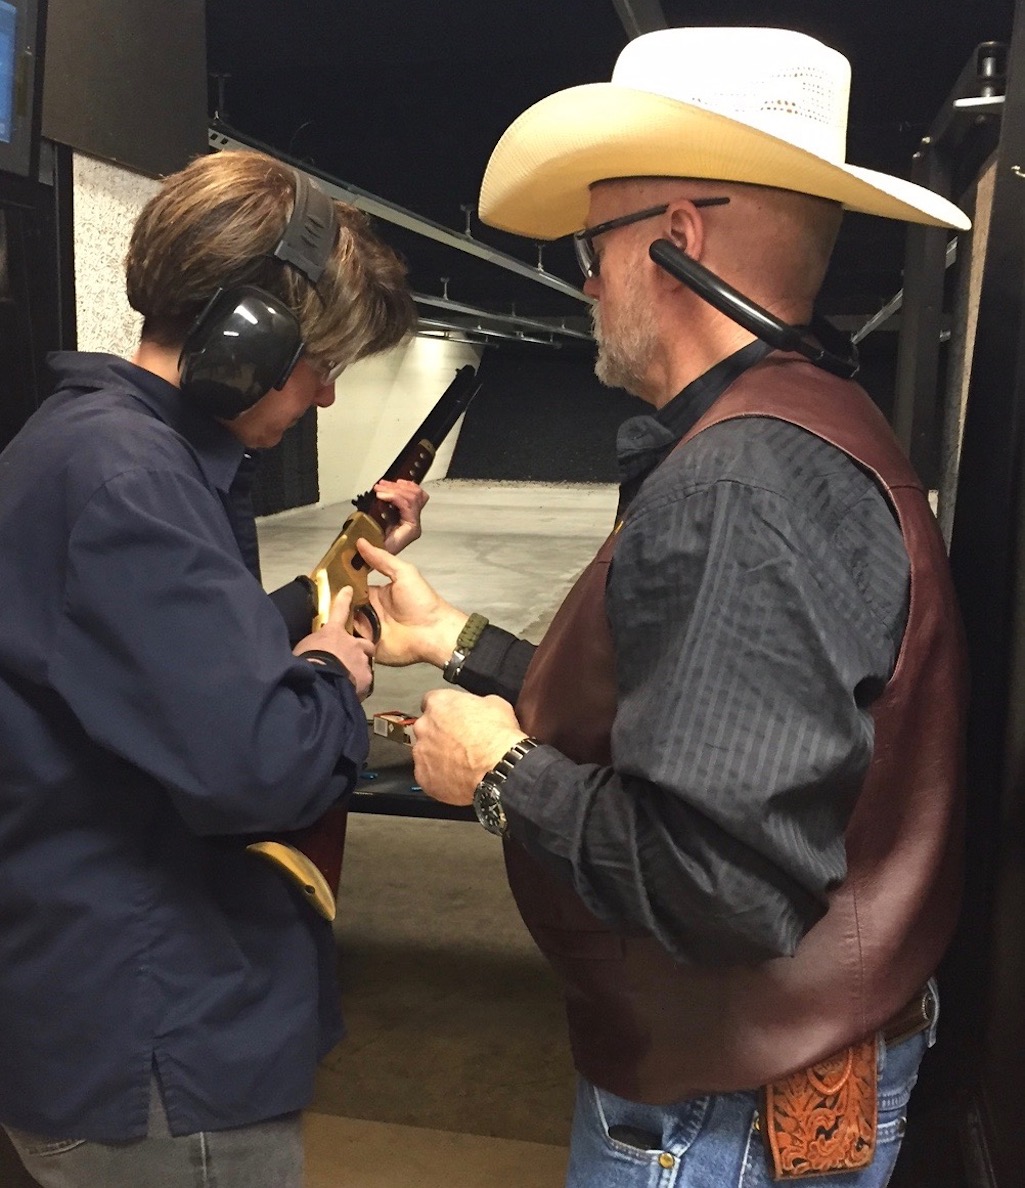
(508, 550)
(456, 1055)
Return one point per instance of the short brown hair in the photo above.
(216, 223)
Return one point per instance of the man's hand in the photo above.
(416, 623)
(408, 499)
(457, 738)
(352, 651)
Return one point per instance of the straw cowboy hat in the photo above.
(764, 106)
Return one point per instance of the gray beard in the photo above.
(623, 359)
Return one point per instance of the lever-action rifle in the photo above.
(312, 857)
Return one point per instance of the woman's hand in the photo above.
(408, 499)
(353, 652)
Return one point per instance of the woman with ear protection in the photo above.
(165, 996)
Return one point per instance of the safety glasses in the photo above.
(583, 241)
(328, 372)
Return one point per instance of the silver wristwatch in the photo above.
(487, 798)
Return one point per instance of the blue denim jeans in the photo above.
(712, 1142)
(265, 1155)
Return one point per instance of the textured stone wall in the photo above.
(107, 201)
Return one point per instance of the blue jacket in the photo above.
(151, 716)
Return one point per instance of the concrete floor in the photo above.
(508, 550)
(455, 1073)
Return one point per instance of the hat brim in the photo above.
(536, 182)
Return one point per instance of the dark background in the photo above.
(406, 99)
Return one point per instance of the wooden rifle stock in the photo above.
(312, 857)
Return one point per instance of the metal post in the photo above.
(948, 158)
(985, 975)
(915, 412)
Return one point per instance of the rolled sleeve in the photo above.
(497, 664)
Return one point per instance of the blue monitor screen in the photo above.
(8, 44)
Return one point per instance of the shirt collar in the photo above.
(643, 441)
(217, 450)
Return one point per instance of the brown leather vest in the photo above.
(650, 1029)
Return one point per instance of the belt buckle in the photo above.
(913, 1019)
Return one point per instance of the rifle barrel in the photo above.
(414, 460)
(439, 421)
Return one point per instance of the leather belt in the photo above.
(911, 1019)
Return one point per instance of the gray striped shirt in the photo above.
(757, 598)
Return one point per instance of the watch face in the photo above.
(488, 806)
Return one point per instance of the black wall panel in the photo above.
(125, 80)
(541, 416)
(37, 312)
(286, 476)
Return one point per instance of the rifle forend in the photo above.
(342, 565)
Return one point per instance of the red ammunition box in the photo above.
(396, 725)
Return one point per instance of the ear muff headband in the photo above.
(246, 341)
(311, 231)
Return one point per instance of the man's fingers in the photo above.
(379, 559)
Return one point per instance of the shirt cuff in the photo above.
(325, 662)
(519, 791)
(496, 664)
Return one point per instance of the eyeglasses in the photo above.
(328, 372)
(583, 241)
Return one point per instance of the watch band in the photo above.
(468, 637)
(454, 666)
(487, 797)
(471, 632)
(503, 768)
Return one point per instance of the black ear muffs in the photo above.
(243, 344)
(246, 341)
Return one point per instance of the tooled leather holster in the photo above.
(822, 1119)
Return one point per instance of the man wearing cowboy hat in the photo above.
(728, 779)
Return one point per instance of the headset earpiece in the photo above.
(837, 354)
(246, 341)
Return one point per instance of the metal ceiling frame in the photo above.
(478, 335)
(222, 137)
(512, 319)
